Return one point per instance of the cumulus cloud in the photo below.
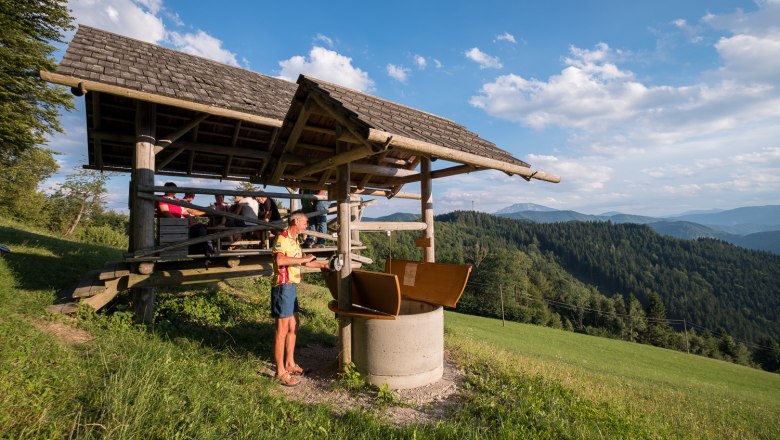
(593, 95)
(327, 65)
(141, 19)
(484, 60)
(398, 73)
(506, 36)
(633, 144)
(137, 20)
(202, 44)
(420, 62)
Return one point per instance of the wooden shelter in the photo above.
(155, 111)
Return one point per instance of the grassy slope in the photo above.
(195, 373)
(675, 391)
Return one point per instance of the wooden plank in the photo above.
(113, 287)
(89, 284)
(422, 242)
(435, 283)
(333, 305)
(111, 273)
(377, 291)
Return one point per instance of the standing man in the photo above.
(288, 258)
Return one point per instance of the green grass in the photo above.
(195, 373)
(680, 394)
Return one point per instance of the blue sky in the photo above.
(648, 107)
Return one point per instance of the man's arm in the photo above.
(308, 261)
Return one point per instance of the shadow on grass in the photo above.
(41, 262)
(221, 322)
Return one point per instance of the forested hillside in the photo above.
(622, 281)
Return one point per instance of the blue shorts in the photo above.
(284, 300)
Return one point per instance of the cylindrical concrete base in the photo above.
(405, 353)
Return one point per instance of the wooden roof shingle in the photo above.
(231, 123)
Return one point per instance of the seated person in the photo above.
(269, 212)
(175, 211)
(247, 207)
(221, 206)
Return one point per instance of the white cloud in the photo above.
(506, 36)
(133, 19)
(141, 20)
(635, 145)
(437, 63)
(204, 45)
(398, 73)
(484, 60)
(325, 39)
(420, 61)
(329, 66)
(153, 6)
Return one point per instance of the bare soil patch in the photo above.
(63, 332)
(422, 405)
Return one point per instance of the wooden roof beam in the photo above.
(95, 86)
(345, 122)
(446, 172)
(168, 139)
(345, 137)
(379, 170)
(289, 145)
(334, 161)
(429, 149)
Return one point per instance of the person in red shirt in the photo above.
(288, 259)
(196, 229)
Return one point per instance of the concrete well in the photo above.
(407, 352)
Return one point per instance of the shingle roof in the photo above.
(101, 56)
(251, 119)
(406, 121)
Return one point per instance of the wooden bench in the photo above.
(170, 231)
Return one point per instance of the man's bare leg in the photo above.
(280, 340)
(292, 336)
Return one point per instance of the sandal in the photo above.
(287, 380)
(296, 370)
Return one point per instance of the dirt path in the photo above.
(421, 405)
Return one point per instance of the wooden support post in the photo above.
(344, 249)
(426, 199)
(142, 210)
(355, 214)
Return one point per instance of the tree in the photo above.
(637, 321)
(80, 196)
(658, 329)
(28, 105)
(19, 180)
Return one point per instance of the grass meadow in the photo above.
(195, 373)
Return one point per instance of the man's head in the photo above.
(219, 198)
(171, 188)
(297, 222)
(189, 197)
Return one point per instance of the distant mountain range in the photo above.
(752, 227)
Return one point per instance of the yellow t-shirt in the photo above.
(288, 246)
